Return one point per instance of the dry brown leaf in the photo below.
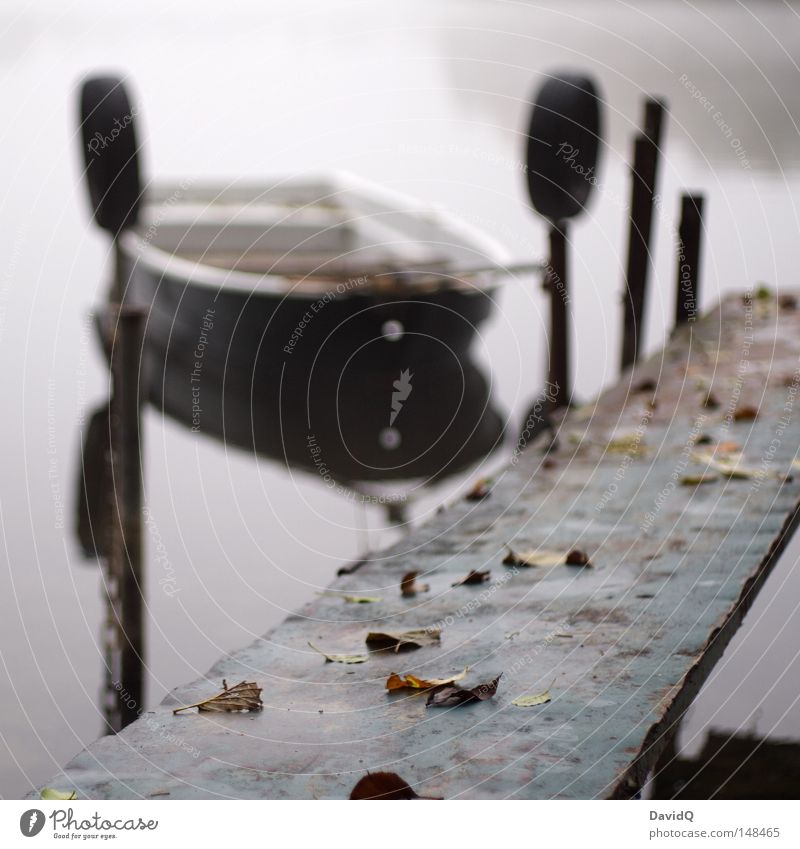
(246, 695)
(745, 413)
(385, 785)
(411, 682)
(341, 658)
(577, 557)
(480, 489)
(455, 696)
(409, 585)
(474, 577)
(414, 639)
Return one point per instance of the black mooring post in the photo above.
(690, 237)
(126, 555)
(644, 174)
(557, 283)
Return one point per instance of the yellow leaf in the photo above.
(695, 480)
(627, 443)
(411, 682)
(352, 599)
(533, 701)
(535, 557)
(51, 795)
(341, 658)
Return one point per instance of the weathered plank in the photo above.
(627, 643)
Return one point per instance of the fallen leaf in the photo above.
(534, 557)
(246, 695)
(576, 557)
(696, 480)
(745, 413)
(480, 489)
(533, 701)
(409, 585)
(341, 658)
(647, 384)
(711, 401)
(385, 785)
(627, 443)
(731, 466)
(454, 696)
(414, 639)
(411, 682)
(787, 302)
(474, 577)
(729, 447)
(51, 795)
(352, 599)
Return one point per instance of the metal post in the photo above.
(644, 171)
(690, 237)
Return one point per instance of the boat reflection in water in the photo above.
(322, 324)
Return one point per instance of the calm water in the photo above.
(428, 99)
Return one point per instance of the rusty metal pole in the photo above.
(690, 237)
(644, 172)
(126, 556)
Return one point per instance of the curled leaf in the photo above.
(411, 682)
(745, 413)
(385, 785)
(410, 587)
(534, 700)
(246, 695)
(51, 795)
(453, 696)
(341, 658)
(474, 577)
(577, 557)
(480, 489)
(414, 639)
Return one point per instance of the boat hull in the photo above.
(310, 382)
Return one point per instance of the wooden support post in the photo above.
(690, 237)
(126, 560)
(557, 277)
(644, 171)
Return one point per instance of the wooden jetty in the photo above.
(623, 647)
